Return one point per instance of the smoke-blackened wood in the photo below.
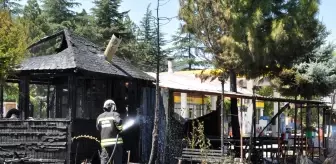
(1, 100)
(24, 96)
(43, 141)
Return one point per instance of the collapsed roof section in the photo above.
(77, 53)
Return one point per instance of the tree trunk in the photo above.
(189, 53)
(309, 126)
(234, 111)
(155, 133)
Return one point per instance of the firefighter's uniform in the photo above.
(109, 124)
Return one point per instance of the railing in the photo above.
(44, 141)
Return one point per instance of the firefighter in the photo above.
(109, 124)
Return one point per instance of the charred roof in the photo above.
(75, 52)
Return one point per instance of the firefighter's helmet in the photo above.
(110, 104)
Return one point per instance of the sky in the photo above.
(169, 9)
(137, 10)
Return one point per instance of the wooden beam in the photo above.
(237, 95)
(45, 39)
(58, 110)
(301, 123)
(318, 130)
(24, 97)
(72, 94)
(295, 128)
(1, 100)
(323, 132)
(48, 101)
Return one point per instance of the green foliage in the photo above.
(254, 38)
(85, 25)
(110, 21)
(186, 49)
(269, 106)
(58, 11)
(11, 92)
(35, 22)
(197, 138)
(12, 6)
(146, 45)
(13, 39)
(313, 78)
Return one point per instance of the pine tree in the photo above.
(59, 11)
(186, 49)
(253, 38)
(12, 6)
(86, 27)
(147, 43)
(59, 14)
(147, 27)
(35, 22)
(110, 20)
(314, 78)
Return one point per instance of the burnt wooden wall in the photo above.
(42, 141)
(146, 117)
(146, 120)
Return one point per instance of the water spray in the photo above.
(127, 125)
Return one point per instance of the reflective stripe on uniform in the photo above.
(120, 127)
(106, 119)
(111, 141)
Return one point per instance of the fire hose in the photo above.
(112, 154)
(126, 126)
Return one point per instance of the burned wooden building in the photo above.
(76, 80)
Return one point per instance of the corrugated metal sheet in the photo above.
(189, 82)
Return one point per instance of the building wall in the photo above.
(7, 106)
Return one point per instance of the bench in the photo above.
(196, 155)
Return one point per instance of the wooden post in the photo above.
(48, 100)
(72, 88)
(241, 127)
(318, 129)
(301, 124)
(323, 131)
(24, 97)
(40, 109)
(279, 143)
(72, 92)
(312, 131)
(59, 95)
(252, 133)
(295, 128)
(128, 156)
(1, 100)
